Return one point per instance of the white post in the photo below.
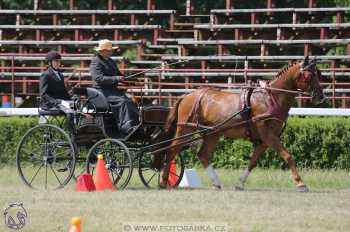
(36, 3)
(188, 7)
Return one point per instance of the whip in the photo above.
(147, 70)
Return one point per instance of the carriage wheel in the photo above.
(117, 158)
(80, 160)
(45, 157)
(151, 177)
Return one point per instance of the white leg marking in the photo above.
(213, 176)
(244, 176)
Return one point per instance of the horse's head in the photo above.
(308, 80)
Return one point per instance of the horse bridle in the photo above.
(311, 68)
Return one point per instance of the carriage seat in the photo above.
(95, 99)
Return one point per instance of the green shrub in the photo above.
(314, 142)
(11, 131)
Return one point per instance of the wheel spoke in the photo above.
(37, 141)
(53, 171)
(31, 152)
(46, 176)
(112, 176)
(123, 166)
(33, 157)
(66, 152)
(118, 179)
(152, 178)
(158, 178)
(118, 174)
(36, 173)
(147, 169)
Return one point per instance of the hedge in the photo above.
(314, 142)
(11, 131)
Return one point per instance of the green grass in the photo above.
(270, 203)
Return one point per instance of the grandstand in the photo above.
(227, 47)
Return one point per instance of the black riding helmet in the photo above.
(53, 55)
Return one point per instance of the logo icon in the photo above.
(15, 216)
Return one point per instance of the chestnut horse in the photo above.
(262, 121)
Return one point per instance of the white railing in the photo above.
(293, 111)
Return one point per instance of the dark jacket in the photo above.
(105, 73)
(52, 89)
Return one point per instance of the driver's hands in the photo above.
(88, 116)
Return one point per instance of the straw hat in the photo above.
(105, 44)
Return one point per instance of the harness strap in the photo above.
(218, 128)
(193, 113)
(274, 109)
(246, 111)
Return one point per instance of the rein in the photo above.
(203, 129)
(280, 90)
(242, 87)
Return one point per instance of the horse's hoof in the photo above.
(303, 189)
(217, 187)
(239, 188)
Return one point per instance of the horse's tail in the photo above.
(168, 134)
(170, 124)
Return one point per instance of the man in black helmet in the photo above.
(52, 89)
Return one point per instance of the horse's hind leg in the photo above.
(208, 146)
(258, 152)
(173, 151)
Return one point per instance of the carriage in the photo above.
(62, 146)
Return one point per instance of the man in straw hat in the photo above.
(105, 76)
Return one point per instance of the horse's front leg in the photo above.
(274, 143)
(258, 152)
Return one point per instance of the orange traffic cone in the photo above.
(85, 183)
(75, 224)
(101, 178)
(172, 178)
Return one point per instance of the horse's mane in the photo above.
(284, 70)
